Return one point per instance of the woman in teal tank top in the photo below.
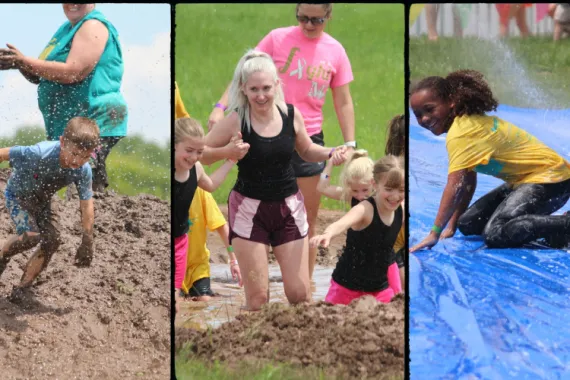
(79, 73)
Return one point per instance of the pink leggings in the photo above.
(180, 253)
(338, 294)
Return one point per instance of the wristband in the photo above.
(233, 262)
(436, 229)
(230, 249)
(220, 105)
(350, 143)
(331, 152)
(324, 176)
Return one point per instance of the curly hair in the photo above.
(396, 141)
(466, 89)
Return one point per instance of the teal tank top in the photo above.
(97, 97)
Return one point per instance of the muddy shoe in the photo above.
(19, 295)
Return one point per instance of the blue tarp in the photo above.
(479, 313)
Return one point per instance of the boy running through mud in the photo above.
(38, 172)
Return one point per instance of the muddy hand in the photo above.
(10, 58)
(84, 254)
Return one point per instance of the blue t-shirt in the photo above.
(37, 174)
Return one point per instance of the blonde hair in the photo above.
(396, 141)
(252, 62)
(187, 127)
(392, 167)
(357, 169)
(82, 132)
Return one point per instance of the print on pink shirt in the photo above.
(324, 72)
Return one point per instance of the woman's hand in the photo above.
(339, 155)
(10, 58)
(428, 242)
(237, 149)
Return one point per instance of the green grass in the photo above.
(514, 70)
(134, 166)
(211, 38)
(187, 369)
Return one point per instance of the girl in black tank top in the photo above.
(373, 227)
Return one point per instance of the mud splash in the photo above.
(108, 321)
(362, 340)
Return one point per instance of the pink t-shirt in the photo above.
(308, 67)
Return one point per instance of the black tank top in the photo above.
(266, 172)
(183, 195)
(368, 253)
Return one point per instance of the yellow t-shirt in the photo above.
(496, 147)
(179, 109)
(399, 244)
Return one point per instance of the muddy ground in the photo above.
(362, 340)
(108, 321)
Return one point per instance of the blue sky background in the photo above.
(144, 31)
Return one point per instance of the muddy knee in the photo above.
(509, 235)
(467, 227)
(257, 300)
(22, 243)
(298, 294)
(50, 241)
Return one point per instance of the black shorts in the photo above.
(201, 288)
(309, 169)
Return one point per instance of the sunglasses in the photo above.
(313, 20)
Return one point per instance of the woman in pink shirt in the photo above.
(309, 62)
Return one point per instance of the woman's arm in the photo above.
(86, 49)
(344, 109)
(324, 187)
(211, 183)
(455, 190)
(224, 142)
(308, 150)
(218, 113)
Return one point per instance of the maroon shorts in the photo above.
(268, 222)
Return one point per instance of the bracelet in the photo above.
(436, 229)
(350, 143)
(220, 105)
(324, 176)
(233, 262)
(331, 152)
(230, 249)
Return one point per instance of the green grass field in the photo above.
(529, 73)
(134, 165)
(211, 38)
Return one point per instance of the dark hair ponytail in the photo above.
(466, 89)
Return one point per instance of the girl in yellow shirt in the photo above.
(537, 179)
